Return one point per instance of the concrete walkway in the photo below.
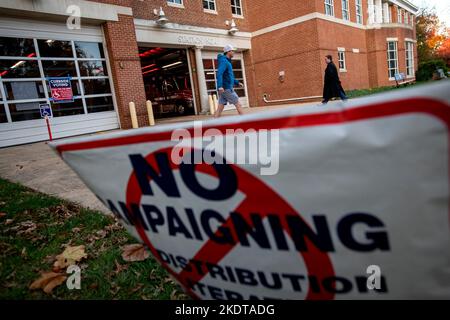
(38, 167)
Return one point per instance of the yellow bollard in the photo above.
(211, 105)
(216, 103)
(151, 118)
(134, 120)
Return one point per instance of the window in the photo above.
(359, 16)
(25, 65)
(399, 15)
(392, 59)
(341, 60)
(209, 5)
(412, 19)
(236, 7)
(406, 17)
(177, 2)
(409, 59)
(345, 10)
(329, 7)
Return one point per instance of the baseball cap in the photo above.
(229, 47)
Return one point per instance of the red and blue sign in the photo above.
(61, 89)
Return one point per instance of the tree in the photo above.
(429, 34)
(444, 49)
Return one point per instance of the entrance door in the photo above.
(210, 66)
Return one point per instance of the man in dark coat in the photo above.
(332, 86)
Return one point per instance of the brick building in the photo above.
(116, 51)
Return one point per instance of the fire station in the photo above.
(107, 53)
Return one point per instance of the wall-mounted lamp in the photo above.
(162, 19)
(233, 28)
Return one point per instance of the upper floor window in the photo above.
(236, 7)
(209, 5)
(359, 16)
(178, 2)
(329, 7)
(345, 10)
(399, 15)
(406, 17)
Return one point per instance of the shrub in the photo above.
(427, 68)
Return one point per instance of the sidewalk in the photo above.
(38, 167)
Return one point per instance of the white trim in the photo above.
(89, 10)
(210, 11)
(147, 31)
(354, 50)
(408, 6)
(340, 49)
(410, 40)
(392, 39)
(318, 15)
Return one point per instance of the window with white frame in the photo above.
(209, 5)
(345, 10)
(409, 59)
(359, 12)
(412, 19)
(176, 2)
(406, 17)
(392, 59)
(28, 64)
(390, 14)
(329, 7)
(341, 60)
(236, 7)
(399, 15)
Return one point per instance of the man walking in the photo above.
(226, 82)
(332, 86)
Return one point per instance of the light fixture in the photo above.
(162, 19)
(233, 28)
(172, 64)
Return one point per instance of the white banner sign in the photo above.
(344, 201)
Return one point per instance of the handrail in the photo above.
(290, 99)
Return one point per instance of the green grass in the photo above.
(23, 255)
(366, 92)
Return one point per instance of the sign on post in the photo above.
(346, 201)
(61, 89)
(45, 110)
(46, 113)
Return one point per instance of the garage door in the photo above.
(30, 54)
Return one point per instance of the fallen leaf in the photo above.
(134, 252)
(2, 214)
(48, 281)
(137, 288)
(76, 230)
(9, 221)
(120, 267)
(69, 256)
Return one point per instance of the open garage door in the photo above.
(167, 81)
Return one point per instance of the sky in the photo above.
(442, 8)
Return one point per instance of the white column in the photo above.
(378, 11)
(201, 81)
(371, 11)
(386, 12)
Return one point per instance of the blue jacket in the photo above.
(225, 75)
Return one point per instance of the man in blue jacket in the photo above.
(226, 81)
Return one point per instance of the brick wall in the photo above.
(126, 69)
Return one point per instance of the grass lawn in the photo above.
(34, 228)
(367, 92)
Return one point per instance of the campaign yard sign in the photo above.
(357, 208)
(61, 89)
